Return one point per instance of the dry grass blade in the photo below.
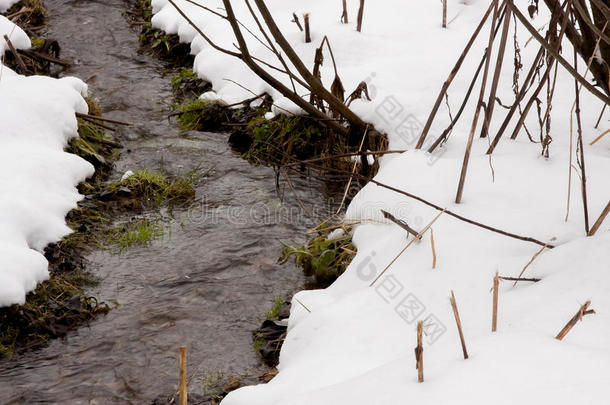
(528, 264)
(606, 132)
(433, 248)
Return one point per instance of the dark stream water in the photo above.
(207, 283)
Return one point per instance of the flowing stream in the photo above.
(207, 283)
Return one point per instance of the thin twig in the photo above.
(437, 207)
(433, 248)
(418, 237)
(528, 264)
(601, 114)
(515, 279)
(351, 177)
(400, 223)
(344, 155)
(95, 117)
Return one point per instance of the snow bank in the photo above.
(356, 345)
(37, 178)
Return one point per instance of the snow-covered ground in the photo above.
(37, 178)
(356, 344)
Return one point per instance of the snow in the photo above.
(356, 344)
(6, 4)
(17, 36)
(37, 178)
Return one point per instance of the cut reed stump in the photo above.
(307, 30)
(344, 18)
(458, 322)
(419, 352)
(360, 16)
(182, 388)
(494, 315)
(579, 315)
(400, 223)
(295, 19)
(444, 13)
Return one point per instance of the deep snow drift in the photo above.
(37, 178)
(356, 344)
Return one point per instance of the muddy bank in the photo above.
(208, 281)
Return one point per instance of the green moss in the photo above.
(257, 341)
(183, 77)
(285, 135)
(187, 85)
(324, 259)
(135, 233)
(94, 145)
(37, 43)
(145, 9)
(200, 114)
(275, 309)
(156, 187)
(94, 106)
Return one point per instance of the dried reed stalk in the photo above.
(433, 248)
(458, 322)
(494, 316)
(419, 352)
(307, 30)
(451, 76)
(360, 16)
(577, 317)
(183, 392)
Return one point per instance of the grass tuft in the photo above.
(94, 107)
(136, 233)
(275, 309)
(324, 259)
(200, 115)
(158, 188)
